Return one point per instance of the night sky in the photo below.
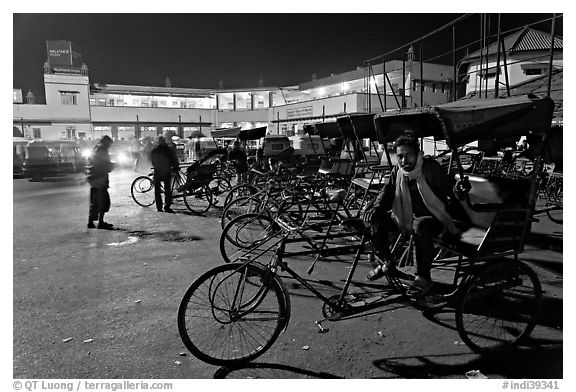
(199, 50)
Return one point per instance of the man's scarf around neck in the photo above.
(402, 206)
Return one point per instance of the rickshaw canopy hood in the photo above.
(225, 132)
(330, 130)
(252, 134)
(469, 120)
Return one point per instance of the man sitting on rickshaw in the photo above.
(414, 200)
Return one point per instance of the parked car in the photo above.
(53, 158)
(19, 154)
(275, 144)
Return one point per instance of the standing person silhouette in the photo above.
(99, 166)
(165, 162)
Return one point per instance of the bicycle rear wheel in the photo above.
(239, 191)
(499, 306)
(232, 314)
(247, 231)
(198, 200)
(555, 214)
(219, 185)
(142, 191)
(240, 206)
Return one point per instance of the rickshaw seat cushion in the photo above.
(492, 194)
(468, 242)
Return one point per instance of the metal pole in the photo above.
(505, 69)
(369, 68)
(384, 82)
(497, 83)
(403, 81)
(454, 62)
(393, 92)
(421, 77)
(551, 55)
(377, 91)
(479, 77)
(487, 41)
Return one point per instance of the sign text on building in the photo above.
(59, 52)
(299, 112)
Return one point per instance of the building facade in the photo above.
(76, 109)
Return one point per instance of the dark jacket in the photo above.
(238, 155)
(99, 164)
(436, 178)
(164, 161)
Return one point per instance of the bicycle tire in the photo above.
(239, 191)
(240, 206)
(218, 185)
(142, 191)
(198, 200)
(245, 232)
(217, 331)
(499, 306)
(555, 214)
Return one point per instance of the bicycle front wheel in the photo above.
(555, 213)
(142, 190)
(232, 314)
(219, 185)
(243, 234)
(198, 200)
(239, 191)
(499, 306)
(241, 206)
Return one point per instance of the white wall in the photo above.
(160, 115)
(514, 66)
(54, 84)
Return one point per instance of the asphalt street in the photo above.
(91, 303)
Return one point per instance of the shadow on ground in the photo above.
(269, 371)
(537, 363)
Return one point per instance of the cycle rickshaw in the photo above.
(234, 312)
(197, 184)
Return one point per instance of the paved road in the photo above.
(121, 289)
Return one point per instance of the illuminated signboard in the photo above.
(17, 96)
(299, 112)
(66, 70)
(59, 52)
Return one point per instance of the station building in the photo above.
(77, 109)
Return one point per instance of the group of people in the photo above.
(415, 200)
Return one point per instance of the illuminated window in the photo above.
(70, 132)
(69, 97)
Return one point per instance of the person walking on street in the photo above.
(143, 156)
(165, 162)
(98, 168)
(415, 200)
